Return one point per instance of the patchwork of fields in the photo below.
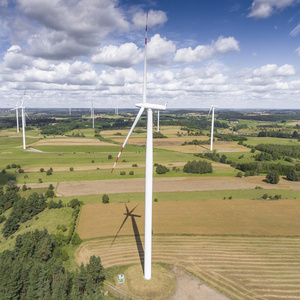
(247, 249)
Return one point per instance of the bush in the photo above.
(40, 180)
(3, 171)
(42, 170)
(76, 240)
(131, 173)
(24, 188)
(20, 170)
(8, 167)
(273, 177)
(71, 169)
(160, 169)
(105, 199)
(49, 194)
(52, 204)
(239, 174)
(49, 172)
(155, 200)
(109, 156)
(74, 202)
(122, 173)
(135, 165)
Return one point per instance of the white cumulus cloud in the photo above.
(265, 8)
(201, 52)
(124, 56)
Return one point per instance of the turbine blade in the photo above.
(209, 110)
(23, 98)
(128, 135)
(132, 209)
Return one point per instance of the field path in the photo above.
(174, 184)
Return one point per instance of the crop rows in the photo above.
(240, 267)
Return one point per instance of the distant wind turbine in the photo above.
(17, 106)
(212, 109)
(149, 164)
(158, 121)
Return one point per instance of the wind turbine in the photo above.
(212, 109)
(17, 106)
(149, 164)
(158, 121)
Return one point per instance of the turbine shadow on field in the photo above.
(136, 233)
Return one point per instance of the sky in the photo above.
(72, 53)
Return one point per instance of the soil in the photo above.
(175, 184)
(189, 287)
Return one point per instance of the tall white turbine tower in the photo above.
(149, 165)
(212, 109)
(23, 121)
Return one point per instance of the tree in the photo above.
(76, 240)
(273, 177)
(223, 159)
(49, 194)
(74, 202)
(105, 199)
(95, 269)
(293, 175)
(49, 172)
(160, 169)
(10, 226)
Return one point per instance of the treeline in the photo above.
(214, 156)
(196, 142)
(33, 271)
(273, 116)
(230, 137)
(279, 134)
(61, 127)
(280, 150)
(256, 168)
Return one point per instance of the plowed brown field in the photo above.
(174, 184)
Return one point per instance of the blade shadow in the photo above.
(137, 236)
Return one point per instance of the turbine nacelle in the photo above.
(152, 106)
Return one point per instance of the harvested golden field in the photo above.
(243, 268)
(211, 217)
(169, 184)
(65, 141)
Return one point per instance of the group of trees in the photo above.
(279, 134)
(196, 142)
(200, 167)
(280, 150)
(23, 210)
(32, 271)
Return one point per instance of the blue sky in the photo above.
(68, 53)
